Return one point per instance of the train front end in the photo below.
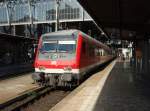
(55, 62)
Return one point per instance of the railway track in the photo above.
(24, 100)
(43, 97)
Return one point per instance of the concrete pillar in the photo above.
(149, 56)
(145, 57)
(142, 66)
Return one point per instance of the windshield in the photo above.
(57, 50)
(49, 47)
(60, 46)
(66, 46)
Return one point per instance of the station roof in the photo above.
(9, 36)
(131, 15)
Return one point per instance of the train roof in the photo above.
(62, 32)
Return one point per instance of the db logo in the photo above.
(53, 62)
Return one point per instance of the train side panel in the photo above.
(91, 55)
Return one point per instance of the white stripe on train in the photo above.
(74, 71)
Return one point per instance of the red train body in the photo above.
(64, 57)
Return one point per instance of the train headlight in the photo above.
(68, 68)
(41, 68)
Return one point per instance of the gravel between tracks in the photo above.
(46, 102)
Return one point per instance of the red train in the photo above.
(64, 57)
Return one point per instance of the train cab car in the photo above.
(64, 57)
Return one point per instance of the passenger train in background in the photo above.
(65, 57)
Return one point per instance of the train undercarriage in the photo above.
(66, 80)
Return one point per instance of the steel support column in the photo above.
(57, 15)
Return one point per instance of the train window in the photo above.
(105, 52)
(84, 47)
(97, 52)
(91, 51)
(101, 52)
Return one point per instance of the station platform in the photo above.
(13, 87)
(112, 89)
(12, 70)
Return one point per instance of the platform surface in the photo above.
(15, 69)
(112, 89)
(122, 93)
(12, 87)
